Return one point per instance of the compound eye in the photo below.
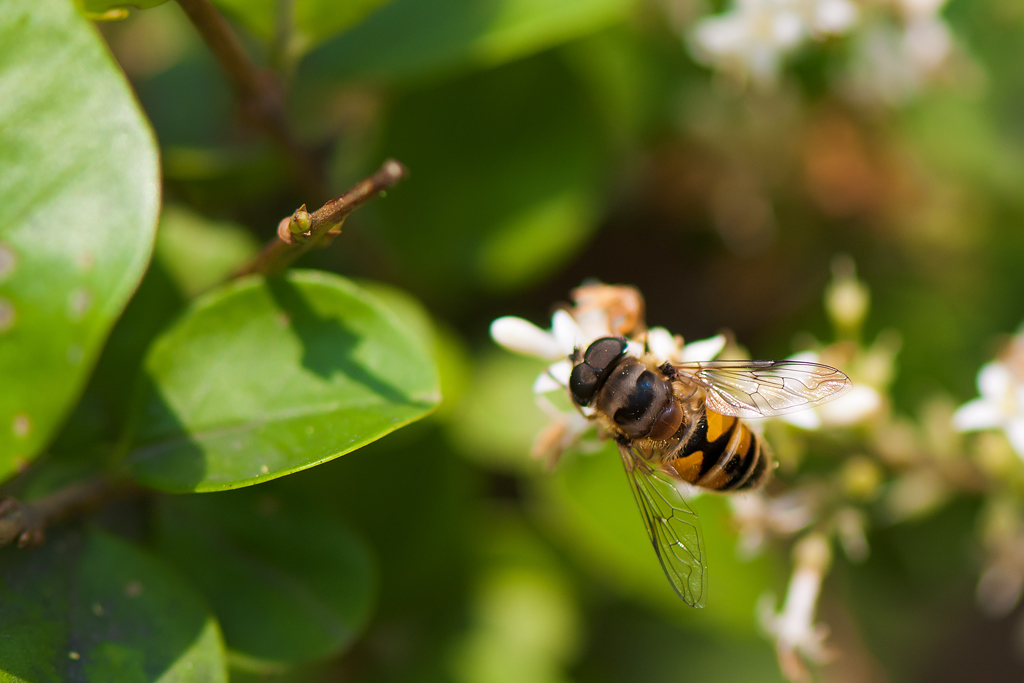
(604, 352)
(583, 384)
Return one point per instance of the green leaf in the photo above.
(312, 21)
(288, 582)
(521, 194)
(423, 558)
(414, 38)
(95, 608)
(449, 349)
(263, 378)
(78, 206)
(101, 6)
(192, 254)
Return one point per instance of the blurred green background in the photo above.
(548, 143)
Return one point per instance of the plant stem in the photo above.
(26, 523)
(282, 251)
(260, 94)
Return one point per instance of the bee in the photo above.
(684, 422)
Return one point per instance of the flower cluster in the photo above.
(751, 40)
(1001, 404)
(896, 55)
(899, 45)
(796, 636)
(598, 310)
(846, 302)
(891, 468)
(998, 414)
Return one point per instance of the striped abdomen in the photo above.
(720, 453)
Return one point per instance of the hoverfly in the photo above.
(684, 422)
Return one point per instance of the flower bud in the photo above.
(846, 298)
(861, 478)
(299, 223)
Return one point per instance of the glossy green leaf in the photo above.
(95, 608)
(192, 254)
(289, 583)
(453, 363)
(263, 378)
(520, 195)
(78, 206)
(311, 21)
(413, 38)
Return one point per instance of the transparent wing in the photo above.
(672, 527)
(762, 388)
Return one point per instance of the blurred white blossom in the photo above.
(847, 298)
(751, 40)
(859, 404)
(850, 527)
(796, 635)
(759, 518)
(895, 58)
(1001, 404)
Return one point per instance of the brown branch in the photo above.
(26, 523)
(259, 92)
(302, 231)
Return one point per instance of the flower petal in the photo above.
(546, 383)
(1015, 433)
(568, 333)
(635, 349)
(835, 16)
(662, 344)
(561, 371)
(703, 350)
(805, 357)
(856, 405)
(804, 419)
(594, 324)
(721, 35)
(977, 414)
(994, 381)
(522, 336)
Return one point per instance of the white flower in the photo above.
(850, 524)
(599, 311)
(757, 516)
(857, 405)
(796, 636)
(833, 16)
(566, 335)
(522, 336)
(892, 62)
(1001, 405)
(565, 430)
(1002, 581)
(752, 39)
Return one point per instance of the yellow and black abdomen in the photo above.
(720, 453)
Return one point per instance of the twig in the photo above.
(26, 523)
(259, 93)
(302, 231)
